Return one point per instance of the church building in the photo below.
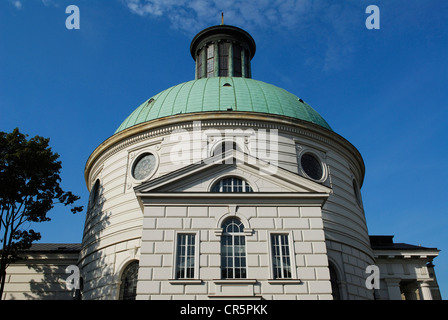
(226, 187)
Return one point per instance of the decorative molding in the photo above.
(95, 174)
(164, 126)
(157, 143)
(234, 281)
(248, 231)
(185, 281)
(285, 281)
(134, 156)
(319, 154)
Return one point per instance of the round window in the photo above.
(144, 166)
(311, 166)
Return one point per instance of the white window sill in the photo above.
(284, 281)
(185, 281)
(235, 281)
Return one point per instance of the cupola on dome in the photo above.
(223, 84)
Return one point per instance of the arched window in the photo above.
(94, 192)
(233, 250)
(334, 283)
(231, 184)
(357, 192)
(128, 287)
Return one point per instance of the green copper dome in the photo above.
(223, 94)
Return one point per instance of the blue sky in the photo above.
(383, 90)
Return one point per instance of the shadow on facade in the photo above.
(94, 267)
(52, 285)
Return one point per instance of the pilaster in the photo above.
(393, 288)
(425, 291)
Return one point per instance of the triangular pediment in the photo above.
(262, 176)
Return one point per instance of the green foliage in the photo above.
(29, 189)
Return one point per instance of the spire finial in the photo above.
(222, 18)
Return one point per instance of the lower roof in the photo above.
(387, 243)
(54, 247)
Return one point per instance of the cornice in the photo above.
(207, 198)
(423, 253)
(164, 126)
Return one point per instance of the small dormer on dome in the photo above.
(223, 51)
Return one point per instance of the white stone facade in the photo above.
(162, 224)
(40, 273)
(138, 220)
(303, 226)
(407, 273)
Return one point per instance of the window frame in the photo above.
(292, 256)
(319, 155)
(224, 54)
(201, 63)
(245, 186)
(280, 237)
(196, 255)
(357, 192)
(136, 157)
(123, 284)
(318, 162)
(237, 61)
(210, 65)
(243, 257)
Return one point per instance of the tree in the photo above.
(29, 189)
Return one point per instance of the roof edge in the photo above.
(114, 141)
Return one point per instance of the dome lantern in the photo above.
(222, 51)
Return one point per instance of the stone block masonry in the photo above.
(303, 227)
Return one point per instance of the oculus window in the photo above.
(144, 166)
(312, 166)
(237, 61)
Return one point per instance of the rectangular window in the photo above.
(185, 256)
(210, 60)
(233, 256)
(247, 64)
(237, 61)
(200, 58)
(281, 259)
(224, 59)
